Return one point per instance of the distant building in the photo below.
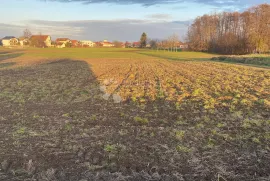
(9, 41)
(87, 43)
(75, 43)
(62, 42)
(98, 44)
(136, 44)
(106, 43)
(182, 45)
(41, 40)
(24, 41)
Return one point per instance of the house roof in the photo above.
(107, 43)
(136, 43)
(8, 37)
(62, 39)
(23, 38)
(74, 41)
(41, 37)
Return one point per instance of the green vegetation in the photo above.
(263, 61)
(141, 120)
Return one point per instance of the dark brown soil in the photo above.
(55, 125)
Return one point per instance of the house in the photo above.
(41, 41)
(105, 43)
(60, 45)
(75, 43)
(24, 41)
(98, 44)
(136, 44)
(9, 41)
(181, 45)
(87, 43)
(63, 42)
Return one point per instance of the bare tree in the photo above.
(173, 40)
(232, 32)
(153, 44)
(118, 44)
(27, 34)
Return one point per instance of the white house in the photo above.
(10, 41)
(106, 43)
(87, 43)
(62, 42)
(24, 41)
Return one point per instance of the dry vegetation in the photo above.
(232, 32)
(135, 118)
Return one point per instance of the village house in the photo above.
(62, 42)
(9, 41)
(105, 43)
(75, 43)
(41, 41)
(87, 43)
(24, 41)
(136, 44)
(181, 45)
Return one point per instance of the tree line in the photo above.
(232, 32)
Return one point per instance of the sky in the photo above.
(122, 20)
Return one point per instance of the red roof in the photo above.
(107, 43)
(61, 39)
(41, 37)
(136, 43)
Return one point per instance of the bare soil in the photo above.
(55, 125)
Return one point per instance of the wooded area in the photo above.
(232, 32)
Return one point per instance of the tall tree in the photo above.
(143, 40)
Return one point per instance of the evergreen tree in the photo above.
(143, 40)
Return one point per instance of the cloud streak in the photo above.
(147, 3)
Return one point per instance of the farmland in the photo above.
(116, 114)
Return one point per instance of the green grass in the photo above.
(127, 53)
(178, 55)
(82, 53)
(256, 60)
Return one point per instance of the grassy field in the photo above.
(128, 114)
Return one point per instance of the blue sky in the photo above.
(109, 19)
